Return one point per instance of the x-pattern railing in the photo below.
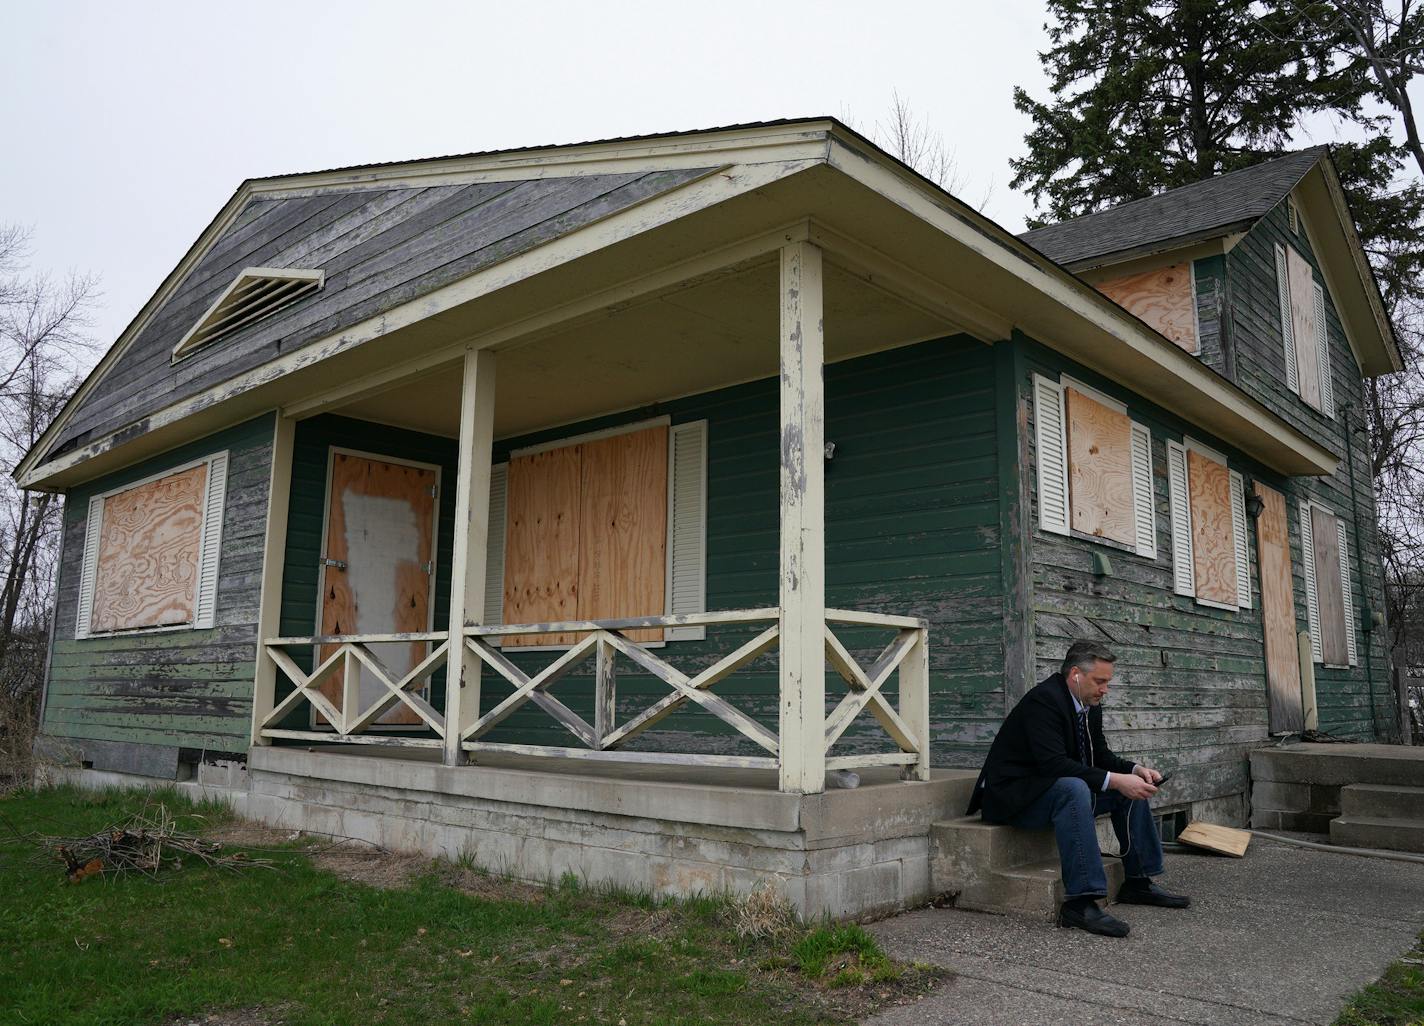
(353, 654)
(603, 642)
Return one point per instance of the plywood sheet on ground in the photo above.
(623, 524)
(541, 558)
(380, 523)
(1330, 598)
(1278, 612)
(1220, 839)
(147, 569)
(1163, 298)
(1100, 469)
(1213, 537)
(1302, 297)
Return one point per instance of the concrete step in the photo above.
(1001, 869)
(1338, 765)
(1035, 889)
(981, 845)
(1382, 801)
(1378, 832)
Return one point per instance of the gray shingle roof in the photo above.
(1195, 210)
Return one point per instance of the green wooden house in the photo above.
(589, 507)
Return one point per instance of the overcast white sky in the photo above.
(128, 125)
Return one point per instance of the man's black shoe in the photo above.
(1091, 918)
(1145, 892)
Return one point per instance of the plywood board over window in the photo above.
(148, 554)
(1210, 550)
(1303, 325)
(587, 533)
(1100, 469)
(1163, 297)
(1278, 613)
(1213, 538)
(151, 552)
(1330, 595)
(1094, 467)
(623, 518)
(541, 568)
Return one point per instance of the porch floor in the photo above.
(753, 779)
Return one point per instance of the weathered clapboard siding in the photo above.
(1213, 318)
(185, 688)
(1189, 693)
(1342, 695)
(379, 248)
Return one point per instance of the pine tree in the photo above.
(1152, 94)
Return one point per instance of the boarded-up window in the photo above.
(151, 552)
(1163, 297)
(1094, 467)
(1328, 595)
(1100, 469)
(608, 527)
(1304, 330)
(1209, 544)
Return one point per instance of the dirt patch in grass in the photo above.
(240, 833)
(233, 1017)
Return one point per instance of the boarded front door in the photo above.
(1278, 612)
(380, 524)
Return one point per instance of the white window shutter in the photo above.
(1312, 601)
(1287, 330)
(1238, 528)
(687, 526)
(1322, 346)
(1347, 598)
(494, 548)
(210, 545)
(1051, 439)
(1183, 572)
(89, 566)
(1143, 501)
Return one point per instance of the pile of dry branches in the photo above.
(146, 843)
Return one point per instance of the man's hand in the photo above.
(1149, 775)
(1131, 785)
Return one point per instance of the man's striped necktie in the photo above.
(1085, 751)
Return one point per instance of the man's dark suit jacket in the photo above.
(1036, 745)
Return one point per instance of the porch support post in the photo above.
(274, 555)
(803, 522)
(467, 562)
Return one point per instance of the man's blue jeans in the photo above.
(1069, 807)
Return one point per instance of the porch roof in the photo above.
(676, 293)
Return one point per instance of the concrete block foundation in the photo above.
(858, 853)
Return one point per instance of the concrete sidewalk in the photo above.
(1283, 935)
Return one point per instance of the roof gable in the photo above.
(1164, 225)
(1175, 217)
(376, 246)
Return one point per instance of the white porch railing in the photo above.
(602, 641)
(350, 722)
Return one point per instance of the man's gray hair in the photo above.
(1085, 655)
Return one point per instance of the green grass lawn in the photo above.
(1396, 999)
(302, 945)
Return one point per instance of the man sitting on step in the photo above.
(1051, 766)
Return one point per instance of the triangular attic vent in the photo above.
(257, 292)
